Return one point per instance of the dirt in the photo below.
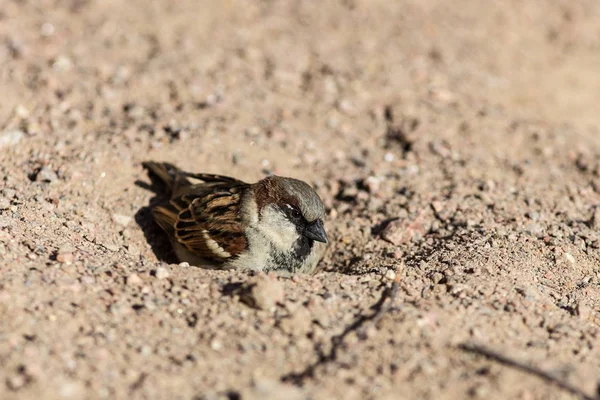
(456, 146)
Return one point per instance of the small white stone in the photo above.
(184, 264)
(146, 351)
(62, 63)
(10, 138)
(134, 280)
(47, 29)
(162, 273)
(71, 390)
(372, 184)
(122, 220)
(570, 258)
(21, 111)
(4, 204)
(216, 345)
(46, 174)
(390, 275)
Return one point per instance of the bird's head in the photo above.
(290, 212)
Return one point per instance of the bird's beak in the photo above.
(316, 231)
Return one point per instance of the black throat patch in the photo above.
(303, 247)
(293, 260)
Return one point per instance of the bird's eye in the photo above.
(294, 212)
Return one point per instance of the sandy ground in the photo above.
(456, 144)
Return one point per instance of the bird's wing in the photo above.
(206, 217)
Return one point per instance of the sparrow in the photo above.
(275, 224)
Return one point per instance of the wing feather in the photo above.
(210, 226)
(204, 217)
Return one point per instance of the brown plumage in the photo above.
(275, 224)
(185, 215)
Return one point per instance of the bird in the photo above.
(275, 224)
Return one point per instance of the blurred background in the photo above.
(472, 125)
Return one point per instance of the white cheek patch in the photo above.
(214, 246)
(280, 230)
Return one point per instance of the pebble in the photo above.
(347, 107)
(398, 232)
(263, 292)
(570, 258)
(479, 391)
(135, 280)
(88, 280)
(64, 255)
(122, 220)
(437, 277)
(372, 184)
(47, 29)
(9, 193)
(65, 258)
(146, 351)
(11, 138)
(46, 174)
(534, 228)
(71, 390)
(133, 250)
(437, 206)
(216, 345)
(333, 122)
(162, 273)
(442, 95)
(583, 311)
(4, 204)
(15, 382)
(62, 63)
(22, 112)
(390, 275)
(184, 264)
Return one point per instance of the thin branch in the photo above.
(510, 362)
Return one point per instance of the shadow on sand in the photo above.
(154, 235)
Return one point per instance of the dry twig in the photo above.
(381, 308)
(359, 326)
(510, 362)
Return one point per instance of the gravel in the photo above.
(445, 158)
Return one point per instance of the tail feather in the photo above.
(168, 174)
(165, 217)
